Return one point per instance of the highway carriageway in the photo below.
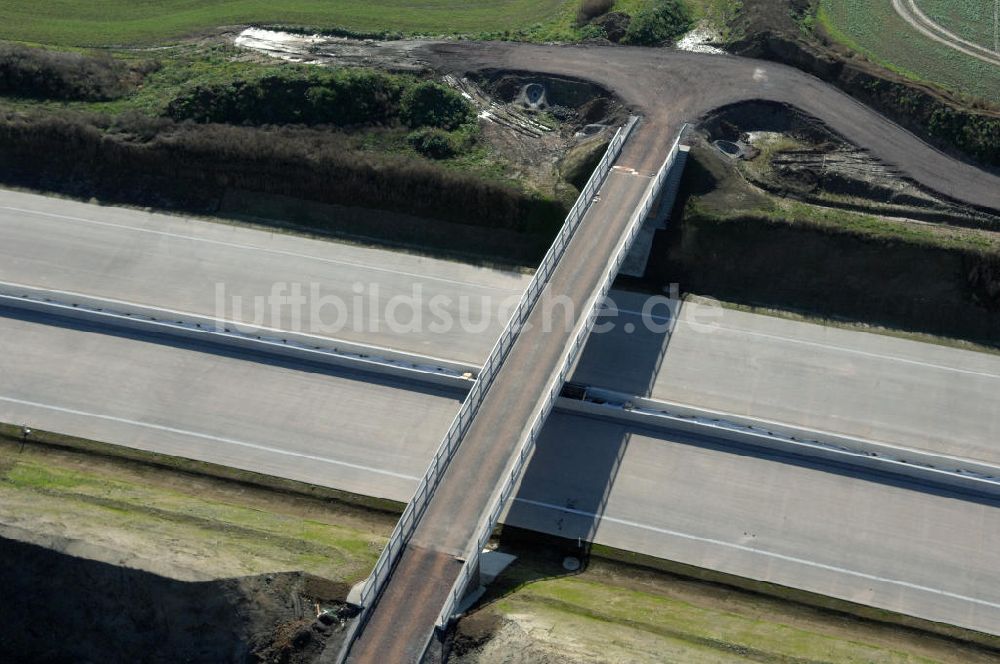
(804, 523)
(866, 385)
(959, 474)
(870, 386)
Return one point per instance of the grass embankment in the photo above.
(617, 612)
(744, 246)
(162, 518)
(873, 29)
(596, 613)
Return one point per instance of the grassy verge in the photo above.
(11, 434)
(626, 607)
(171, 519)
(591, 615)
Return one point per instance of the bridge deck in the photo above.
(415, 593)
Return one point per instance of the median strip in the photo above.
(305, 347)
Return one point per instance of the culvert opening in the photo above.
(728, 147)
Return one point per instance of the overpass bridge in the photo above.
(432, 557)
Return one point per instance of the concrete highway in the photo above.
(176, 263)
(875, 386)
(349, 431)
(884, 545)
(870, 542)
(844, 381)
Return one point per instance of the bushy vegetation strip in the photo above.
(38, 73)
(190, 166)
(206, 129)
(340, 97)
(661, 22)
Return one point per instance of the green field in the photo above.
(102, 23)
(873, 29)
(131, 22)
(969, 19)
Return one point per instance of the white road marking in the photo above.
(762, 552)
(205, 436)
(591, 515)
(833, 347)
(863, 353)
(249, 247)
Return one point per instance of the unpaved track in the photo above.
(910, 12)
(672, 87)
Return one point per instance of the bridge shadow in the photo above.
(561, 501)
(565, 487)
(563, 495)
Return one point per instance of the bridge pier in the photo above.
(485, 570)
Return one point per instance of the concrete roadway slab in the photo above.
(874, 386)
(869, 385)
(351, 432)
(176, 263)
(917, 553)
(757, 517)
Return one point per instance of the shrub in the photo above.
(591, 9)
(41, 74)
(343, 97)
(430, 104)
(193, 166)
(433, 142)
(664, 21)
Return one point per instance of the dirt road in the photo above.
(672, 87)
